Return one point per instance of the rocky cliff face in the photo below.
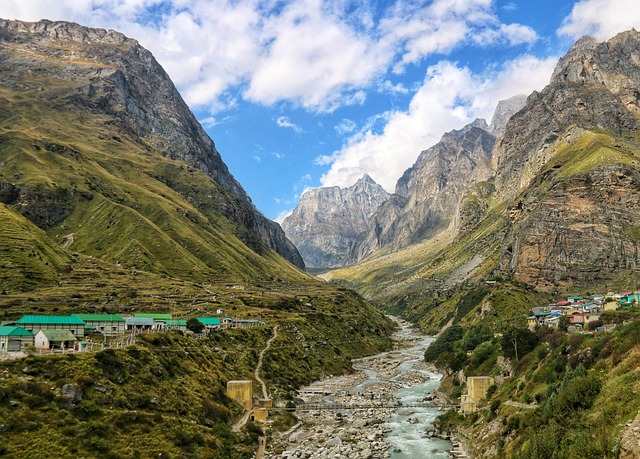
(576, 231)
(595, 86)
(327, 221)
(569, 159)
(431, 190)
(109, 75)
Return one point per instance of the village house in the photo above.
(159, 320)
(55, 339)
(210, 323)
(176, 324)
(36, 323)
(107, 324)
(138, 323)
(14, 339)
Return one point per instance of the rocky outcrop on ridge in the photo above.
(595, 86)
(327, 221)
(108, 74)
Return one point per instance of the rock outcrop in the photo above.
(327, 221)
(107, 74)
(568, 164)
(595, 86)
(429, 191)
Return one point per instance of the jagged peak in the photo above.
(366, 179)
(505, 109)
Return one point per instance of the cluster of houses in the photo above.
(580, 310)
(70, 332)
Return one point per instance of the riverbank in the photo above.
(366, 432)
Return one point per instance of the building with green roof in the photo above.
(36, 323)
(177, 324)
(107, 324)
(55, 339)
(13, 338)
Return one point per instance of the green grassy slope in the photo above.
(105, 193)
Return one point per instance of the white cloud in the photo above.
(282, 215)
(601, 18)
(389, 87)
(346, 126)
(450, 97)
(285, 122)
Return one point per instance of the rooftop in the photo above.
(100, 317)
(14, 331)
(66, 320)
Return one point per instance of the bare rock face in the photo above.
(504, 111)
(327, 221)
(595, 86)
(575, 231)
(431, 189)
(108, 74)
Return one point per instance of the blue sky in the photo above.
(305, 93)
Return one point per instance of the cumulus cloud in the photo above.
(316, 54)
(450, 97)
(601, 18)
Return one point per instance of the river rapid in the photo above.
(374, 430)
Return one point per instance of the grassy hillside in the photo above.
(101, 191)
(570, 395)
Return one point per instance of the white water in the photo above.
(409, 440)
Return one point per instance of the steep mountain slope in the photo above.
(559, 208)
(327, 221)
(99, 150)
(431, 189)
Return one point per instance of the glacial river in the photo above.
(408, 439)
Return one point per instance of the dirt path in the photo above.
(259, 365)
(245, 417)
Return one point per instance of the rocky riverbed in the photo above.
(365, 432)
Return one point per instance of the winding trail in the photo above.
(245, 417)
(259, 365)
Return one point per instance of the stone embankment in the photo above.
(356, 433)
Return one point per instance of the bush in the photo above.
(476, 335)
(195, 325)
(444, 343)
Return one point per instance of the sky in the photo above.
(298, 94)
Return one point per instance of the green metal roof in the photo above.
(58, 335)
(100, 317)
(154, 316)
(209, 320)
(66, 320)
(14, 331)
(176, 323)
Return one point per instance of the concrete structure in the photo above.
(259, 415)
(14, 339)
(36, 323)
(477, 386)
(468, 405)
(107, 324)
(241, 392)
(55, 339)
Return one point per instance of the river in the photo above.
(379, 381)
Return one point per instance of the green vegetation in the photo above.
(577, 389)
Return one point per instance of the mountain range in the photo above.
(545, 196)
